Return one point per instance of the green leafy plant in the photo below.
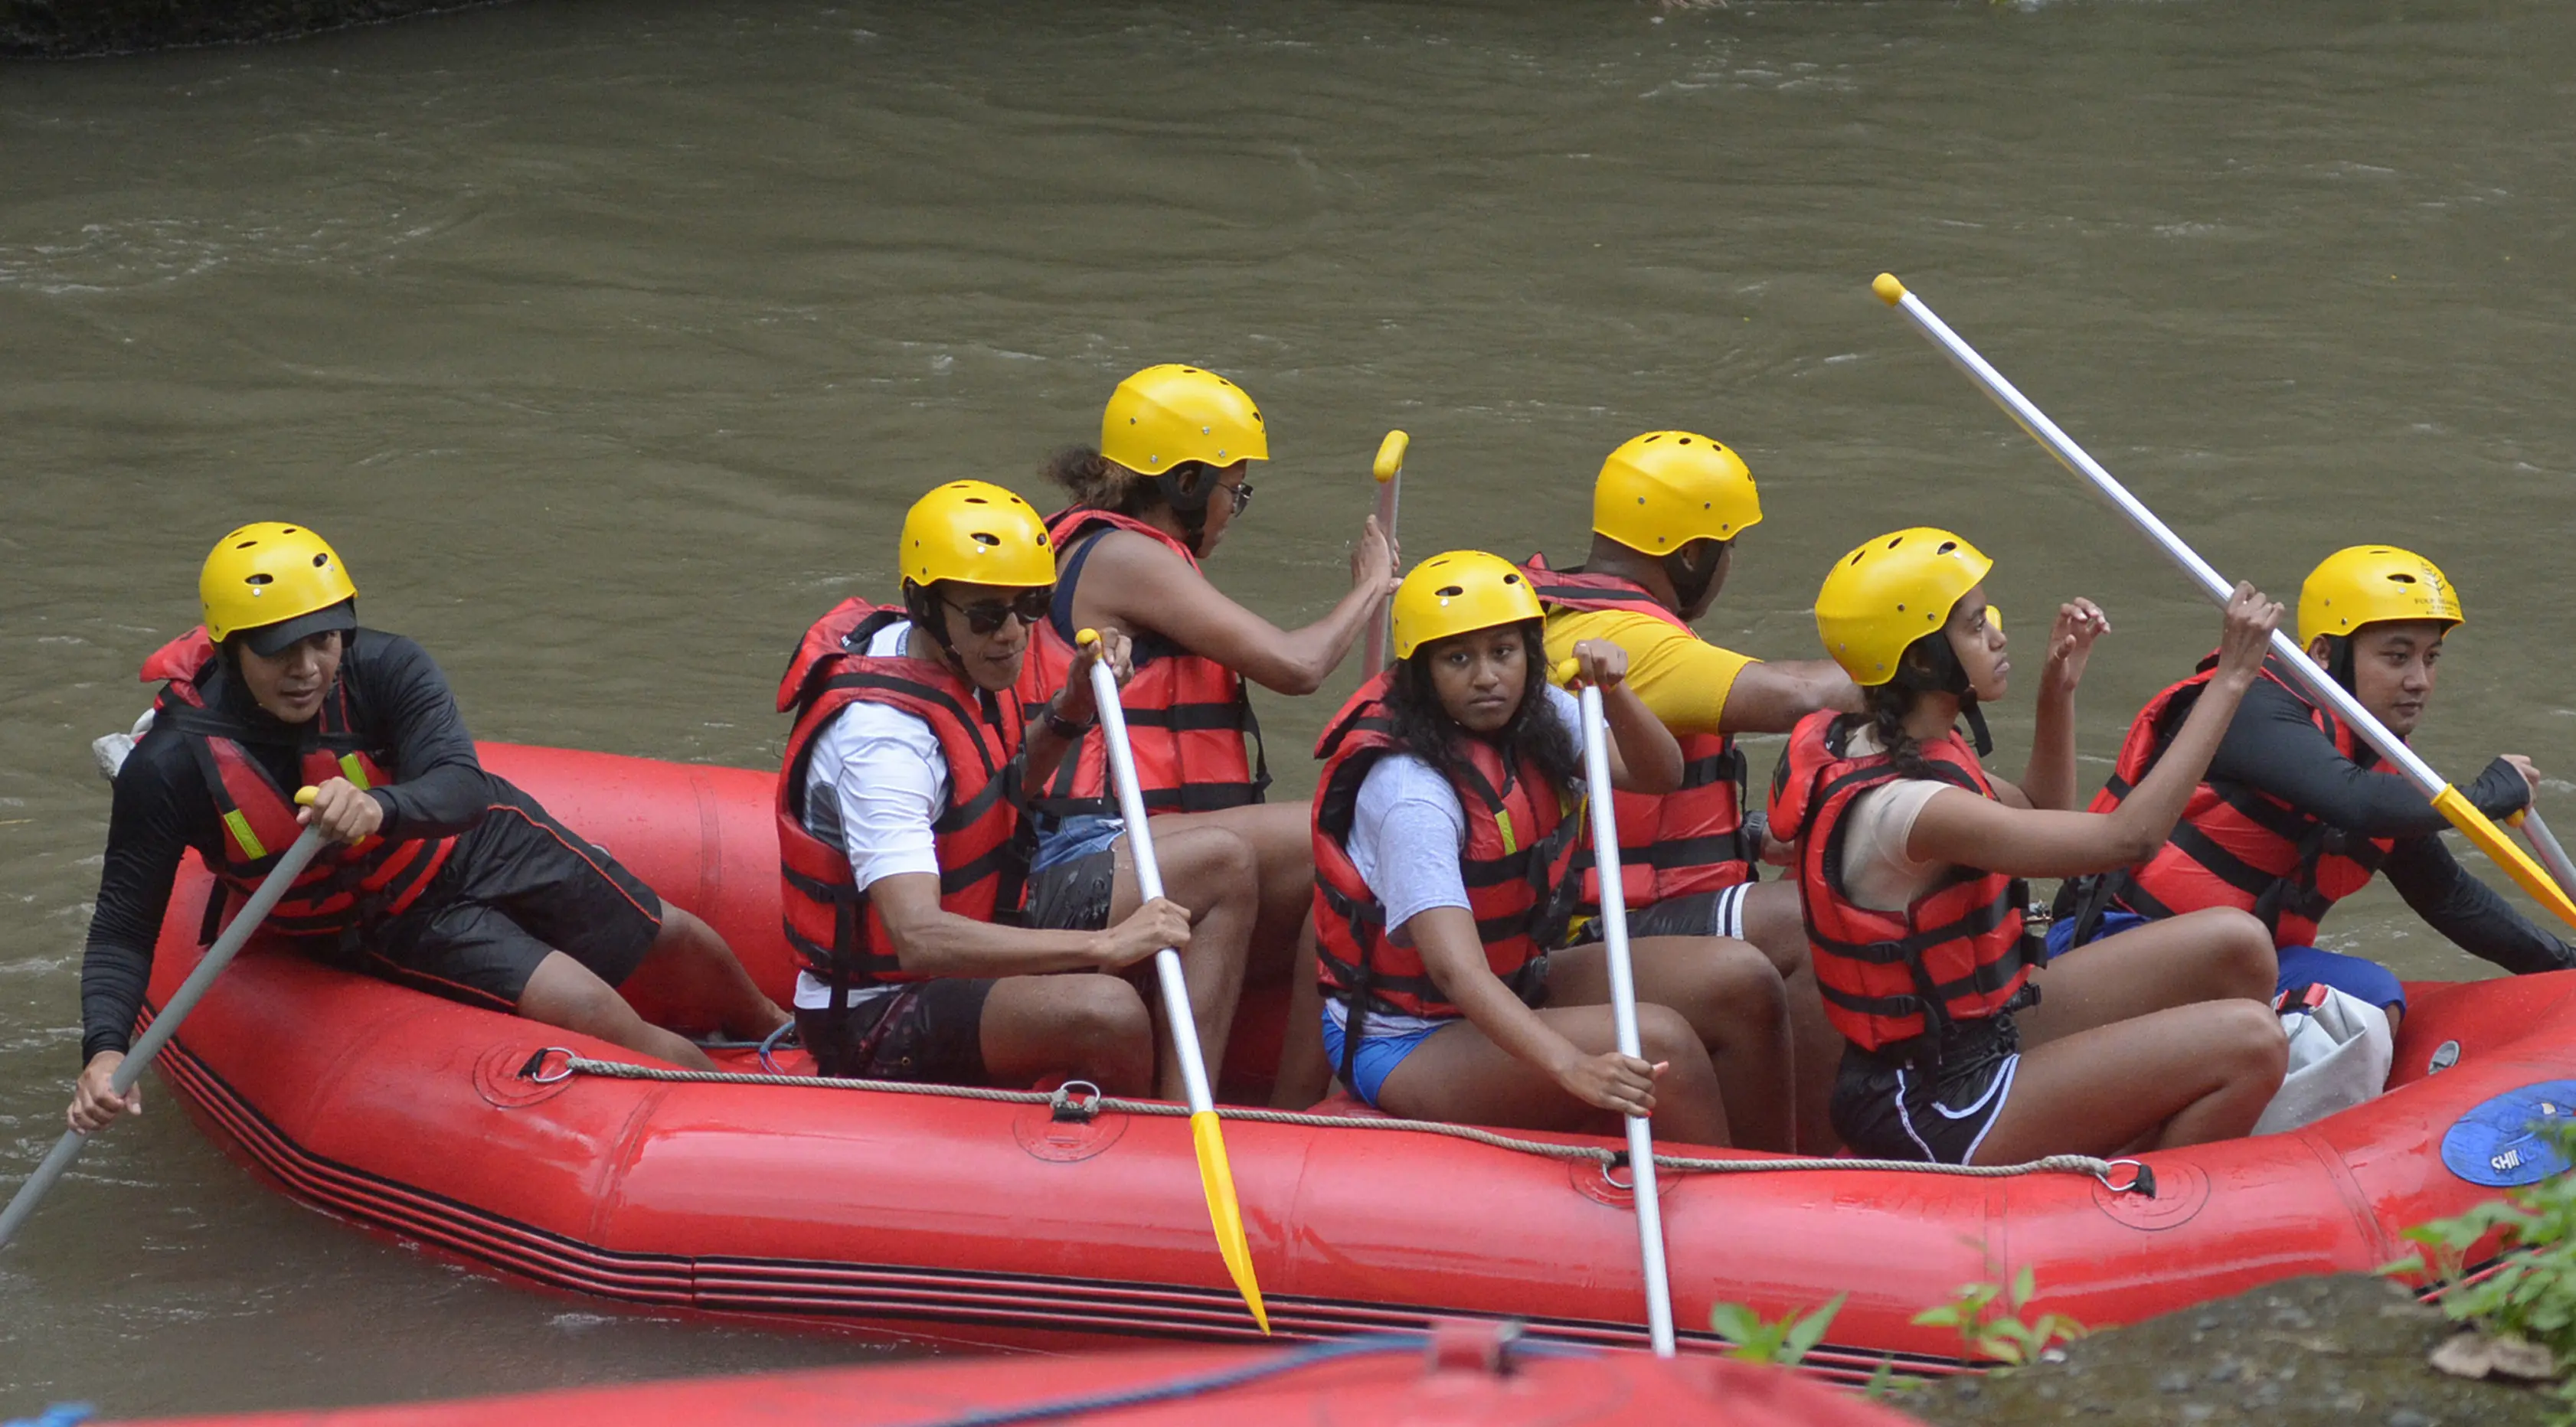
(1785, 1341)
(1988, 1318)
(2531, 1293)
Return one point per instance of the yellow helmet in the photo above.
(1890, 592)
(1665, 489)
(1165, 415)
(979, 533)
(267, 574)
(2364, 584)
(1456, 593)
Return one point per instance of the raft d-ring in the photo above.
(1075, 1102)
(535, 1069)
(2140, 1180)
(1618, 1160)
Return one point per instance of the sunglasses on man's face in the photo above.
(985, 616)
(1241, 494)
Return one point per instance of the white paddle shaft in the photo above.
(1149, 885)
(2294, 660)
(1623, 1011)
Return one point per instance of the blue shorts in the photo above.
(1079, 836)
(2300, 965)
(1378, 1056)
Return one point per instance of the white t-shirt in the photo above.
(874, 783)
(1408, 831)
(1877, 871)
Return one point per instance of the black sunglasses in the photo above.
(986, 616)
(1241, 494)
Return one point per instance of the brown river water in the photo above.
(609, 338)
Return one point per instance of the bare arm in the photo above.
(1644, 755)
(2050, 781)
(929, 940)
(1138, 586)
(1960, 828)
(1455, 958)
(1043, 748)
(1771, 698)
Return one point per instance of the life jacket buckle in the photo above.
(1075, 1102)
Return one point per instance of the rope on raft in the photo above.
(2139, 1180)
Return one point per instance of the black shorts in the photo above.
(1934, 1111)
(1718, 913)
(930, 1031)
(518, 886)
(1073, 895)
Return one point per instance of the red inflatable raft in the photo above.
(1466, 1379)
(945, 1217)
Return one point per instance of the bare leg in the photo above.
(1775, 925)
(1080, 1027)
(1459, 1075)
(1209, 871)
(1729, 996)
(690, 966)
(2182, 1076)
(563, 992)
(2214, 954)
(1281, 836)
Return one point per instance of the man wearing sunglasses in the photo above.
(932, 953)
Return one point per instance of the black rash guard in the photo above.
(397, 697)
(2274, 746)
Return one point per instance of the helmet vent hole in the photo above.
(1511, 579)
(1684, 441)
(2403, 579)
(983, 539)
(1451, 592)
(245, 545)
(287, 531)
(1892, 544)
(977, 500)
(319, 561)
(1946, 547)
(258, 579)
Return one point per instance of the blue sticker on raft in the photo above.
(2500, 1144)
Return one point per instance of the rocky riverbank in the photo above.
(2341, 1351)
(64, 29)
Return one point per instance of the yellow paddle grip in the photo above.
(304, 796)
(1390, 456)
(1889, 290)
(2491, 840)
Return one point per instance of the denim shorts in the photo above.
(2300, 965)
(1078, 836)
(1377, 1057)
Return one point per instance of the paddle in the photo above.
(1215, 1174)
(2294, 661)
(2545, 843)
(1623, 1012)
(137, 1060)
(1389, 471)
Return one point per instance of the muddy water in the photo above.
(608, 340)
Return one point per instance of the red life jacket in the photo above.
(1187, 715)
(1520, 849)
(344, 886)
(2236, 846)
(983, 858)
(1692, 838)
(1957, 953)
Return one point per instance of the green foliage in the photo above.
(1988, 1318)
(2531, 1294)
(1784, 1342)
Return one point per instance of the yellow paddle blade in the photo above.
(1225, 1212)
(2516, 863)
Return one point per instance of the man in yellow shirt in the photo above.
(1666, 511)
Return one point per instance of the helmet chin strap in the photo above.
(1691, 581)
(1189, 507)
(2339, 661)
(1939, 672)
(922, 608)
